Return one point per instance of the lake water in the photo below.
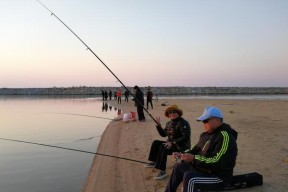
(54, 121)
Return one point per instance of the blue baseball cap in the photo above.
(210, 112)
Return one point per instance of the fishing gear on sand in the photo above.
(88, 48)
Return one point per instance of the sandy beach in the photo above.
(262, 144)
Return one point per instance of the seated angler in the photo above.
(209, 164)
(178, 132)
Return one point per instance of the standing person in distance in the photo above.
(149, 98)
(119, 94)
(110, 95)
(139, 103)
(179, 132)
(126, 94)
(106, 95)
(103, 95)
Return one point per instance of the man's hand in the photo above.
(187, 157)
(167, 145)
(176, 154)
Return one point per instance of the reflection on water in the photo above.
(67, 122)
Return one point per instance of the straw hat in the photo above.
(173, 108)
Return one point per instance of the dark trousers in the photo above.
(140, 113)
(193, 180)
(119, 100)
(149, 101)
(158, 154)
(126, 98)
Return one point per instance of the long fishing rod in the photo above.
(70, 149)
(88, 48)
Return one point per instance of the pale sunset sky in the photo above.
(144, 42)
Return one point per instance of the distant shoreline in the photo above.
(160, 91)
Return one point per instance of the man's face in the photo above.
(210, 124)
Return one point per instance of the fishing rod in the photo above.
(88, 48)
(71, 149)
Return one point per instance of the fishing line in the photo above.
(82, 115)
(70, 149)
(86, 139)
(88, 48)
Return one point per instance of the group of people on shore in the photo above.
(139, 99)
(208, 165)
(117, 95)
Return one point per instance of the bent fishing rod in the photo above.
(88, 48)
(71, 149)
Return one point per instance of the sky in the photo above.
(193, 43)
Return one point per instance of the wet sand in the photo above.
(262, 144)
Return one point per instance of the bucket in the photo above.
(132, 116)
(126, 117)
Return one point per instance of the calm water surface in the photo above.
(32, 168)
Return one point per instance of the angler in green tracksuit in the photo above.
(209, 164)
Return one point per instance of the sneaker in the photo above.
(150, 165)
(161, 175)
